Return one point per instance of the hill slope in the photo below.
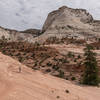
(64, 22)
(31, 85)
(77, 23)
(70, 23)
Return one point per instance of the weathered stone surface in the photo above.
(13, 35)
(77, 23)
(65, 15)
(64, 22)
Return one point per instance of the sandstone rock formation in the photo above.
(33, 85)
(63, 59)
(64, 22)
(77, 23)
(13, 35)
(66, 16)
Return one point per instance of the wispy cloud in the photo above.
(23, 14)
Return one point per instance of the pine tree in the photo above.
(91, 68)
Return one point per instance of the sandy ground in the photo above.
(33, 85)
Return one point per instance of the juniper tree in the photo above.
(91, 69)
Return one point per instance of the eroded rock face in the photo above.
(64, 22)
(65, 13)
(13, 35)
(77, 23)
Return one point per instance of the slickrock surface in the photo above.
(33, 85)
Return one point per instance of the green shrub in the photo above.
(49, 64)
(61, 74)
(48, 70)
(91, 76)
(55, 67)
(79, 57)
(73, 78)
(75, 60)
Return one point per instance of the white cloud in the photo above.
(23, 14)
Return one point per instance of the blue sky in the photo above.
(24, 14)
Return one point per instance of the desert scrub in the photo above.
(91, 75)
(61, 74)
(49, 64)
(73, 78)
(75, 60)
(70, 55)
(78, 57)
(55, 67)
(48, 70)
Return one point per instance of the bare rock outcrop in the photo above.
(65, 13)
(64, 22)
(34, 85)
(13, 35)
(68, 22)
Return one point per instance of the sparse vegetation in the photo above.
(91, 76)
(36, 44)
(75, 60)
(55, 67)
(43, 58)
(52, 40)
(73, 78)
(48, 70)
(70, 54)
(3, 38)
(61, 74)
(49, 64)
(79, 57)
